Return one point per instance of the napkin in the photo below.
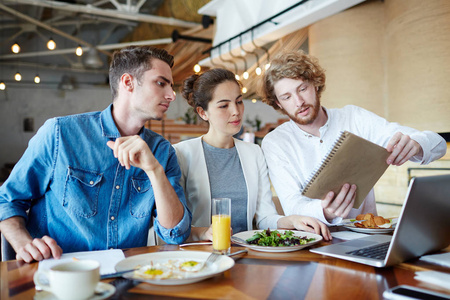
(439, 259)
(107, 259)
(434, 277)
(347, 235)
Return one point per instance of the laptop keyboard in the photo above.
(375, 252)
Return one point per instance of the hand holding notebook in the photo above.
(352, 160)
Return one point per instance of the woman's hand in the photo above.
(303, 223)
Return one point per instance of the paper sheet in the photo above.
(348, 235)
(107, 259)
(437, 278)
(439, 259)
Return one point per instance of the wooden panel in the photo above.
(417, 40)
(349, 47)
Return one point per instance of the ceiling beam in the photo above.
(85, 49)
(45, 26)
(111, 13)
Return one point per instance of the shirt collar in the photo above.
(109, 128)
(325, 126)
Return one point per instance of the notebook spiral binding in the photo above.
(325, 160)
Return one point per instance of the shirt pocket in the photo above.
(141, 198)
(81, 192)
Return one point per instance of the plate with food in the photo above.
(173, 267)
(369, 223)
(275, 240)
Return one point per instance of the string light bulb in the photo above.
(267, 66)
(79, 51)
(37, 79)
(245, 75)
(253, 100)
(15, 48)
(197, 68)
(237, 77)
(18, 77)
(244, 90)
(51, 45)
(258, 71)
(2, 86)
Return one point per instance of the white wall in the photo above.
(42, 103)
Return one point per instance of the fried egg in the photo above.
(191, 266)
(156, 271)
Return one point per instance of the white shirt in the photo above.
(293, 154)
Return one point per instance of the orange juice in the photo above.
(221, 225)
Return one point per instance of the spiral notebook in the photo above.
(352, 160)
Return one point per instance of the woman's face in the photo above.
(225, 110)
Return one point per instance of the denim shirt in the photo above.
(68, 185)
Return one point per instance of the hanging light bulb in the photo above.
(267, 66)
(258, 71)
(237, 77)
(197, 68)
(253, 100)
(79, 51)
(37, 79)
(51, 45)
(2, 86)
(15, 48)
(244, 90)
(245, 75)
(18, 77)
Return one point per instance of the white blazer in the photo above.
(195, 182)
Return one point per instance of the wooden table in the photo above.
(256, 275)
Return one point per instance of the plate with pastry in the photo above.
(369, 223)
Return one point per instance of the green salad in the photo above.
(274, 238)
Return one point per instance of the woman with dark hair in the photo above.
(216, 165)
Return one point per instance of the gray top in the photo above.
(226, 179)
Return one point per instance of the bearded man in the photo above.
(293, 84)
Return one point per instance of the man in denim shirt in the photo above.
(94, 181)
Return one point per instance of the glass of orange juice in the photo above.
(221, 225)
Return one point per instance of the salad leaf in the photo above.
(277, 239)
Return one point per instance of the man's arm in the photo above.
(405, 143)
(27, 248)
(28, 180)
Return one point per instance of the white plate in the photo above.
(351, 225)
(103, 291)
(248, 234)
(222, 264)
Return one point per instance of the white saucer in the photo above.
(103, 291)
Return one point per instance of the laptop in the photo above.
(423, 227)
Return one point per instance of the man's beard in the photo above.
(314, 112)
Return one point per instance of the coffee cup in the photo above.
(70, 281)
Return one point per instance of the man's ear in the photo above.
(278, 103)
(127, 81)
(202, 113)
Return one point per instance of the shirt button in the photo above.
(91, 182)
(321, 141)
(112, 218)
(117, 187)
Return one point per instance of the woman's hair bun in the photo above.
(188, 89)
